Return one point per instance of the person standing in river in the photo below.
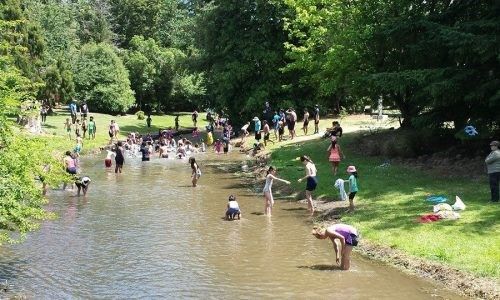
(195, 171)
(346, 235)
(493, 165)
(119, 158)
(312, 182)
(268, 194)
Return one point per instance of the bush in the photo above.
(140, 115)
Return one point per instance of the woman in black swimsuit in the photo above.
(119, 158)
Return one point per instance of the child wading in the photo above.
(268, 194)
(312, 182)
(335, 154)
(195, 171)
(233, 209)
(353, 185)
(119, 158)
(82, 183)
(344, 234)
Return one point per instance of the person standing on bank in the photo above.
(312, 182)
(493, 165)
(316, 118)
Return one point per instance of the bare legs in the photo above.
(310, 205)
(268, 203)
(335, 167)
(346, 257)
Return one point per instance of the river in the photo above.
(147, 233)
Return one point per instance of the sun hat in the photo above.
(495, 143)
(255, 119)
(351, 169)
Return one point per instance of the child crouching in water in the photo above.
(233, 209)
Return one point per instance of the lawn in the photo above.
(391, 199)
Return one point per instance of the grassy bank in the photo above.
(57, 140)
(391, 199)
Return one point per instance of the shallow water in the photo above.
(147, 234)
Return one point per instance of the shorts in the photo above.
(281, 131)
(266, 137)
(351, 195)
(71, 170)
(306, 123)
(110, 134)
(91, 131)
(312, 182)
(119, 162)
(232, 212)
(291, 125)
(108, 162)
(258, 136)
(354, 240)
(145, 159)
(226, 149)
(81, 185)
(316, 121)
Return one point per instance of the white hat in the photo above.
(255, 119)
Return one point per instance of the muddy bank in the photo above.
(253, 171)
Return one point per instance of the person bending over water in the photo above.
(268, 194)
(340, 234)
(82, 183)
(196, 171)
(233, 209)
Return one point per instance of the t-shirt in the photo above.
(276, 119)
(353, 183)
(316, 113)
(110, 154)
(293, 116)
(257, 126)
(345, 231)
(234, 205)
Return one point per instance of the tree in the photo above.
(241, 53)
(102, 80)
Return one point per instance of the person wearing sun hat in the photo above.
(353, 185)
(257, 128)
(493, 165)
(348, 237)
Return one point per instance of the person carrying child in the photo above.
(233, 209)
(353, 185)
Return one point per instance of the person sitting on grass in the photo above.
(82, 183)
(345, 235)
(233, 209)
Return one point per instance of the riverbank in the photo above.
(461, 254)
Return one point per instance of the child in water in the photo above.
(196, 171)
(108, 162)
(218, 146)
(353, 185)
(233, 209)
(268, 194)
(82, 183)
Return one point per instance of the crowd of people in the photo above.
(169, 144)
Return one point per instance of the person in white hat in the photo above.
(82, 183)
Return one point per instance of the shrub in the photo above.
(140, 115)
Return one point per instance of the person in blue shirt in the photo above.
(257, 128)
(73, 111)
(276, 126)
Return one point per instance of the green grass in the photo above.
(391, 199)
(57, 139)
